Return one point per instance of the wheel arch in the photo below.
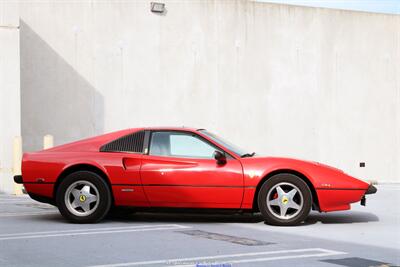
(82, 167)
(315, 200)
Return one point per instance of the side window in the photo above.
(176, 144)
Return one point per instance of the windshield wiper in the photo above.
(248, 155)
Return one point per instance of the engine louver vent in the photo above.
(129, 143)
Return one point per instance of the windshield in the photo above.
(238, 151)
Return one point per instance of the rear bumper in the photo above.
(42, 192)
(18, 179)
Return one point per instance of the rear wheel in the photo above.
(284, 199)
(83, 197)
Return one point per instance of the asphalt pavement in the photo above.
(34, 234)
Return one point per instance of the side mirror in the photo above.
(219, 157)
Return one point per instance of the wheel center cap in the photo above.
(285, 200)
(82, 198)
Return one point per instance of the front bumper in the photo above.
(371, 190)
(18, 179)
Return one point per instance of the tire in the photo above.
(278, 206)
(83, 197)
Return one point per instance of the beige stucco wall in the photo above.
(10, 123)
(309, 83)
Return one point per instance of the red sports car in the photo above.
(156, 168)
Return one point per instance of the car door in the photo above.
(179, 170)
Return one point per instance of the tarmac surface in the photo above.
(35, 234)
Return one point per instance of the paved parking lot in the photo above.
(33, 234)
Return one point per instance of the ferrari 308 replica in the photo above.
(181, 168)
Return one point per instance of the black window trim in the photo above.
(149, 134)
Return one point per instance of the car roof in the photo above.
(173, 128)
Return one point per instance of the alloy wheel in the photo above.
(284, 200)
(82, 198)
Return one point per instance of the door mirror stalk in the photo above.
(220, 157)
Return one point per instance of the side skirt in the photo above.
(187, 210)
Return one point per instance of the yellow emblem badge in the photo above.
(285, 200)
(82, 198)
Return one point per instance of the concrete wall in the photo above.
(310, 83)
(10, 124)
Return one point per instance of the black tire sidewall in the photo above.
(102, 187)
(289, 178)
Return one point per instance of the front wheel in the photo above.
(83, 197)
(284, 200)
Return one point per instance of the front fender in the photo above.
(335, 190)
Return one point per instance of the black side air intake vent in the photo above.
(128, 143)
